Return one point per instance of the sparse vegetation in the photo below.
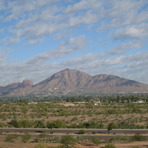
(68, 141)
(110, 114)
(78, 115)
(26, 137)
(109, 146)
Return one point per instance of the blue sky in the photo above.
(41, 37)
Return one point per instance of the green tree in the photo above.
(82, 132)
(111, 126)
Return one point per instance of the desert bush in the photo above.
(109, 146)
(68, 141)
(25, 124)
(55, 124)
(134, 147)
(82, 132)
(39, 124)
(10, 138)
(138, 137)
(26, 138)
(13, 123)
(41, 146)
(111, 126)
(95, 140)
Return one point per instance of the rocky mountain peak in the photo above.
(70, 81)
(27, 82)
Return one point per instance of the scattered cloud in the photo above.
(133, 32)
(67, 27)
(64, 49)
(124, 48)
(3, 56)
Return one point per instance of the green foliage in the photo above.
(134, 147)
(68, 141)
(2, 125)
(109, 146)
(23, 115)
(10, 138)
(13, 123)
(26, 138)
(95, 140)
(93, 124)
(39, 124)
(55, 124)
(111, 126)
(25, 124)
(138, 137)
(82, 132)
(41, 146)
(126, 124)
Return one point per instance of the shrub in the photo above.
(68, 141)
(110, 127)
(134, 147)
(138, 137)
(95, 140)
(25, 123)
(55, 124)
(13, 123)
(109, 146)
(26, 138)
(82, 132)
(41, 146)
(10, 138)
(39, 124)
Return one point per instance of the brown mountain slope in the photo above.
(65, 80)
(15, 86)
(72, 81)
(104, 83)
(62, 82)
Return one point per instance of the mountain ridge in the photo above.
(70, 81)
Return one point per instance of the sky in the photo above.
(41, 37)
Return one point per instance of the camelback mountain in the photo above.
(69, 81)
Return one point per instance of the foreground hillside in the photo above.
(73, 82)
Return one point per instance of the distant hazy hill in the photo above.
(14, 86)
(76, 82)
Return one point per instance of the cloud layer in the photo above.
(94, 36)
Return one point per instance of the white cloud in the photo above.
(33, 21)
(38, 18)
(3, 56)
(64, 49)
(124, 48)
(88, 18)
(22, 8)
(92, 64)
(12, 41)
(1, 30)
(35, 41)
(83, 5)
(38, 30)
(132, 32)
